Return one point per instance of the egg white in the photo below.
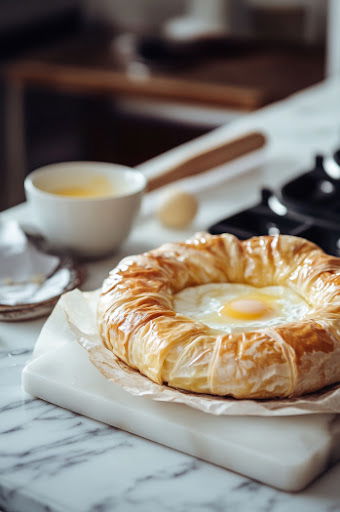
(203, 302)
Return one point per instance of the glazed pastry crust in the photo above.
(138, 323)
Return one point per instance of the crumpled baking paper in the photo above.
(27, 275)
(80, 315)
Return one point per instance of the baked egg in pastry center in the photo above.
(232, 307)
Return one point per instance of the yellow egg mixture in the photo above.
(232, 307)
(97, 187)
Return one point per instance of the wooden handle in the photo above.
(209, 159)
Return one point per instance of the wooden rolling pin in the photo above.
(208, 159)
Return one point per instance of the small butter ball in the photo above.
(177, 209)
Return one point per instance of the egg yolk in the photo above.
(248, 307)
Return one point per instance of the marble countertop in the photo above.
(54, 460)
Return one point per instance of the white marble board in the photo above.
(284, 452)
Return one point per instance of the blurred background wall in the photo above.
(265, 48)
(134, 14)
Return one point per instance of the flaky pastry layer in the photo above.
(138, 323)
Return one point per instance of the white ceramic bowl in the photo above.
(86, 226)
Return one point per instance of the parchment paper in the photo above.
(80, 315)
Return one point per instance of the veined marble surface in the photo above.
(54, 460)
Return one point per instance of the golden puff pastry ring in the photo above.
(138, 323)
